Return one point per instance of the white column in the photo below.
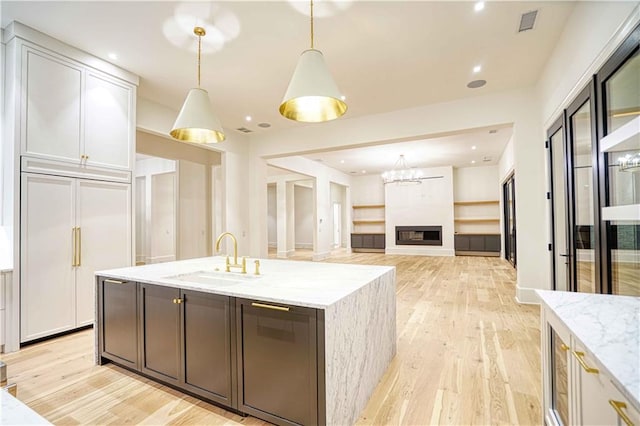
(322, 236)
(291, 219)
(283, 218)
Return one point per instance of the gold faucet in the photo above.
(235, 253)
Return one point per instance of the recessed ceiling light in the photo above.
(343, 97)
(476, 83)
(248, 118)
(473, 147)
(477, 68)
(341, 161)
(478, 6)
(112, 56)
(364, 171)
(473, 161)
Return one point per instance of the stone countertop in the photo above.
(310, 284)
(14, 412)
(609, 328)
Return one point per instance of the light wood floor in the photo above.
(467, 354)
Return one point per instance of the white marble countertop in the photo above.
(14, 412)
(310, 284)
(609, 328)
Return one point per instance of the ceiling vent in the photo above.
(527, 21)
(486, 159)
(244, 130)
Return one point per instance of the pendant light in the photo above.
(312, 95)
(196, 121)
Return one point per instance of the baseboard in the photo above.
(282, 254)
(526, 296)
(420, 251)
(367, 250)
(304, 245)
(161, 259)
(272, 245)
(320, 256)
(477, 253)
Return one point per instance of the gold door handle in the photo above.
(274, 307)
(113, 281)
(580, 357)
(620, 406)
(74, 242)
(79, 247)
(564, 347)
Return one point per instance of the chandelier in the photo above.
(402, 173)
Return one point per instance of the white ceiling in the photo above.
(384, 55)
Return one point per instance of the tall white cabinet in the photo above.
(71, 142)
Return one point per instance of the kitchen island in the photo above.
(298, 343)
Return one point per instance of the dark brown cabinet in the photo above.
(207, 344)
(160, 317)
(277, 362)
(375, 242)
(481, 244)
(118, 331)
(259, 358)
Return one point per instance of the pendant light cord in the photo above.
(311, 24)
(199, 50)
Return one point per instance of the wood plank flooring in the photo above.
(467, 354)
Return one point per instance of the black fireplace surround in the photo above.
(418, 235)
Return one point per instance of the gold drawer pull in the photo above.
(564, 347)
(264, 305)
(579, 356)
(113, 281)
(620, 406)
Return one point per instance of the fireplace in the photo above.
(419, 235)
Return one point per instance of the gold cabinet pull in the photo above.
(564, 347)
(620, 406)
(79, 247)
(274, 307)
(580, 357)
(177, 301)
(74, 242)
(110, 281)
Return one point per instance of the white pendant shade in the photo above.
(196, 121)
(312, 95)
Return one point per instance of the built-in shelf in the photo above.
(629, 212)
(624, 138)
(477, 219)
(369, 206)
(367, 221)
(475, 203)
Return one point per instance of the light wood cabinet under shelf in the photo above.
(368, 221)
(369, 206)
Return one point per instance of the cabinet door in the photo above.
(160, 323)
(356, 241)
(51, 108)
(207, 345)
(379, 241)
(476, 243)
(119, 325)
(492, 242)
(108, 123)
(591, 391)
(47, 274)
(367, 241)
(559, 372)
(461, 242)
(104, 222)
(277, 365)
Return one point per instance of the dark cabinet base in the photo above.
(375, 243)
(477, 244)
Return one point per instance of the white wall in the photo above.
(591, 35)
(506, 163)
(272, 216)
(194, 232)
(339, 196)
(429, 203)
(304, 216)
(367, 189)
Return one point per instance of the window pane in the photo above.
(624, 243)
(623, 94)
(584, 238)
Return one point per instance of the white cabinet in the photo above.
(86, 117)
(577, 389)
(69, 229)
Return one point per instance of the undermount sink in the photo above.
(215, 277)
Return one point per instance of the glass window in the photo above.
(624, 247)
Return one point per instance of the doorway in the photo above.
(337, 225)
(509, 197)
